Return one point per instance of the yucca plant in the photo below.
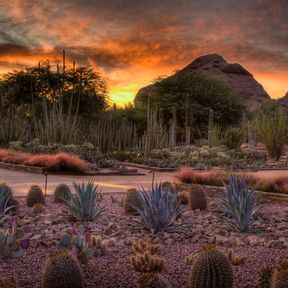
(159, 210)
(240, 203)
(85, 204)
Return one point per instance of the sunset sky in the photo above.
(133, 41)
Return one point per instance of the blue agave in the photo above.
(85, 204)
(240, 203)
(5, 196)
(159, 210)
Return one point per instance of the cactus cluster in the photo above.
(146, 261)
(62, 194)
(211, 269)
(197, 198)
(131, 200)
(35, 195)
(83, 245)
(62, 271)
(13, 243)
(9, 283)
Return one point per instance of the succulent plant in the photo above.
(197, 198)
(5, 197)
(239, 202)
(265, 277)
(9, 283)
(183, 197)
(159, 210)
(62, 271)
(211, 269)
(62, 194)
(280, 276)
(12, 242)
(35, 195)
(190, 259)
(85, 204)
(131, 200)
(82, 244)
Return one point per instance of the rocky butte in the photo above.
(234, 75)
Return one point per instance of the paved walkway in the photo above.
(21, 181)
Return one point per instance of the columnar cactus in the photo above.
(132, 198)
(280, 276)
(62, 271)
(265, 277)
(197, 198)
(62, 193)
(211, 269)
(9, 283)
(35, 195)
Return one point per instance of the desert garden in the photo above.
(218, 223)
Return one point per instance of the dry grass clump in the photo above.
(56, 162)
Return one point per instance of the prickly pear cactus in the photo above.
(62, 271)
(280, 276)
(211, 269)
(131, 199)
(34, 196)
(62, 193)
(197, 198)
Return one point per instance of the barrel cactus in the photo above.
(9, 283)
(280, 276)
(62, 193)
(35, 195)
(265, 277)
(197, 198)
(211, 269)
(62, 271)
(131, 200)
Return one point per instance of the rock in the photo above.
(169, 241)
(234, 75)
(252, 240)
(239, 242)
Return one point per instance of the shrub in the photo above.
(62, 271)
(62, 194)
(211, 269)
(240, 203)
(273, 132)
(131, 200)
(85, 204)
(233, 138)
(280, 276)
(55, 162)
(35, 196)
(159, 210)
(197, 198)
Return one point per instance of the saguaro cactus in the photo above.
(211, 129)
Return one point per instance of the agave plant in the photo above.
(5, 196)
(85, 204)
(240, 203)
(159, 210)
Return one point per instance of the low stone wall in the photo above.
(216, 192)
(25, 168)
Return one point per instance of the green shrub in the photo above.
(35, 196)
(273, 131)
(233, 138)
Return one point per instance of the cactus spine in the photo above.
(62, 271)
(197, 198)
(62, 193)
(34, 196)
(211, 269)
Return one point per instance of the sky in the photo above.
(132, 42)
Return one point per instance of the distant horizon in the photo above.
(132, 43)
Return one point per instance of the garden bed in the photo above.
(265, 245)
